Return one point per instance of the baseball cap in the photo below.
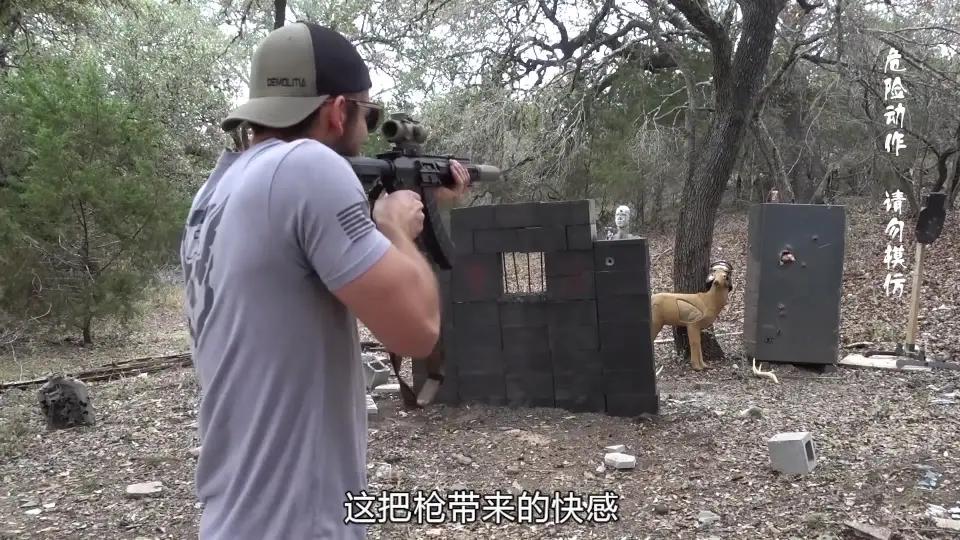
(294, 70)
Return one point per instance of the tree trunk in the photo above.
(823, 190)
(701, 199)
(658, 200)
(87, 329)
(768, 147)
(800, 160)
(737, 85)
(954, 181)
(279, 13)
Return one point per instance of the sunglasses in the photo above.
(372, 112)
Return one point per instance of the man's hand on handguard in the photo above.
(462, 179)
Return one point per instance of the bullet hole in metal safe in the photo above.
(786, 257)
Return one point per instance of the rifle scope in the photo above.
(399, 131)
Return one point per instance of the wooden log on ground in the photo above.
(126, 368)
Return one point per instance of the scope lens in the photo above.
(389, 129)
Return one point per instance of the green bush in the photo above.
(85, 218)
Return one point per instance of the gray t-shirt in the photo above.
(283, 421)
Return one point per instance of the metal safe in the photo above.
(793, 283)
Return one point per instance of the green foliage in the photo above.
(375, 144)
(88, 219)
(174, 61)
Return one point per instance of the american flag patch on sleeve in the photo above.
(355, 220)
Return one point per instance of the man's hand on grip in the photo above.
(400, 212)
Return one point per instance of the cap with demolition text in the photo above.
(294, 70)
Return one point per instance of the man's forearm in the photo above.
(429, 289)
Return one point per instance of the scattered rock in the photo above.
(390, 388)
(527, 437)
(752, 412)
(616, 448)
(144, 489)
(647, 417)
(33, 512)
(389, 473)
(661, 509)
(706, 517)
(949, 524)
(462, 459)
(930, 480)
(195, 452)
(619, 460)
(869, 531)
(65, 403)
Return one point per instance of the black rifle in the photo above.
(405, 167)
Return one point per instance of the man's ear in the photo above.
(334, 116)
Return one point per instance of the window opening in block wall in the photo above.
(523, 274)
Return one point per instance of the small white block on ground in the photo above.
(617, 448)
(389, 388)
(371, 406)
(793, 452)
(619, 460)
(144, 489)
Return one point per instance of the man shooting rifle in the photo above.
(404, 166)
(281, 256)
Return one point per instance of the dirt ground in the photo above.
(887, 441)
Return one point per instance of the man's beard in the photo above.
(343, 145)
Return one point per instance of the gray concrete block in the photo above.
(792, 453)
(376, 371)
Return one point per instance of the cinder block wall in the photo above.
(584, 345)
